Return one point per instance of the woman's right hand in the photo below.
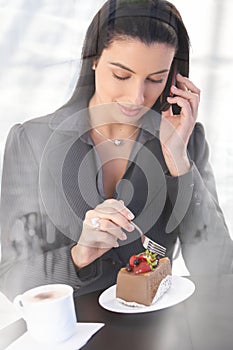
(102, 227)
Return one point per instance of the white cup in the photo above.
(49, 312)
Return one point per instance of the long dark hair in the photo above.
(150, 21)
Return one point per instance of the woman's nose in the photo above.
(137, 94)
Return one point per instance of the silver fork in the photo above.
(153, 247)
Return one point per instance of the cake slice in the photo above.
(144, 280)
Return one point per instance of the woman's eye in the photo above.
(158, 81)
(119, 77)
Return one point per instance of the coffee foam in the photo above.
(47, 295)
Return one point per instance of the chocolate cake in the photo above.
(144, 280)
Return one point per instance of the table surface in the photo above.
(202, 322)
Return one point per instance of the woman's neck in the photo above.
(105, 118)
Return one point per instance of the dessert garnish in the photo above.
(143, 262)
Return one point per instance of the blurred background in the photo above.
(40, 46)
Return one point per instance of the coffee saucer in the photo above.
(83, 333)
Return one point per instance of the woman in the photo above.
(126, 148)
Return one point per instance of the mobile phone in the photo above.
(165, 105)
(175, 108)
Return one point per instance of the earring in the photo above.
(93, 66)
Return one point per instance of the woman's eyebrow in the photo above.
(120, 65)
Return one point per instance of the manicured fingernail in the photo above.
(130, 216)
(123, 237)
(130, 227)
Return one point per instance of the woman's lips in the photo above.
(129, 111)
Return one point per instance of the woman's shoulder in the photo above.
(46, 124)
(198, 147)
(199, 130)
(32, 134)
(32, 130)
(38, 124)
(197, 137)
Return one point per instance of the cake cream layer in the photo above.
(142, 288)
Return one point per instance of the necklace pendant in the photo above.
(117, 142)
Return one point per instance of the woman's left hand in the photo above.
(175, 130)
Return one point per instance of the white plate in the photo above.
(181, 289)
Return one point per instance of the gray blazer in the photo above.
(49, 181)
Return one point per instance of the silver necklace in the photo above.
(116, 142)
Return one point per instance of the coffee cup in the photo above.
(49, 312)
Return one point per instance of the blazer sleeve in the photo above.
(33, 250)
(203, 233)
